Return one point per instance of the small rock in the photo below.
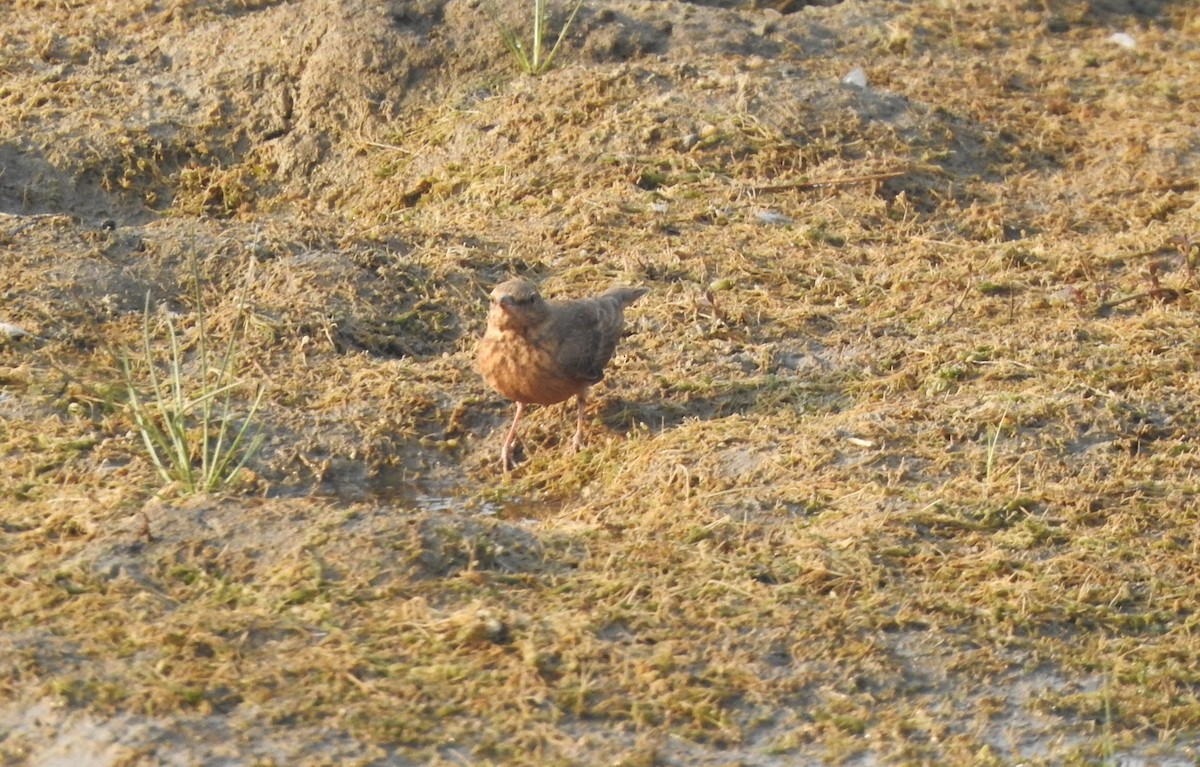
(12, 331)
(1122, 39)
(773, 218)
(856, 77)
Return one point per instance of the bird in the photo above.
(543, 352)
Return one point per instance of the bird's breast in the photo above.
(523, 367)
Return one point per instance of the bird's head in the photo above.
(516, 303)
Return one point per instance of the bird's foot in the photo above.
(508, 456)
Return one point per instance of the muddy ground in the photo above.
(895, 464)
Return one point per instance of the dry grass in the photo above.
(900, 471)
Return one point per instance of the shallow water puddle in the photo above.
(396, 486)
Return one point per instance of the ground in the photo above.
(895, 463)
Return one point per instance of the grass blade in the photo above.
(188, 425)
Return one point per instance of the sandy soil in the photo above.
(895, 464)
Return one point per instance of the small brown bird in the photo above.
(541, 352)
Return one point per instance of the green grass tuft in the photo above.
(530, 58)
(189, 423)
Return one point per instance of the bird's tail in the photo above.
(625, 296)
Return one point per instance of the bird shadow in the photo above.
(677, 402)
(672, 405)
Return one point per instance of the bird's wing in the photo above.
(587, 332)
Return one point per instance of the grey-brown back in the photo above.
(585, 331)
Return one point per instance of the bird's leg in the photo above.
(580, 401)
(510, 438)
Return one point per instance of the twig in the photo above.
(1170, 186)
(954, 309)
(144, 527)
(392, 147)
(1120, 257)
(1159, 293)
(805, 186)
